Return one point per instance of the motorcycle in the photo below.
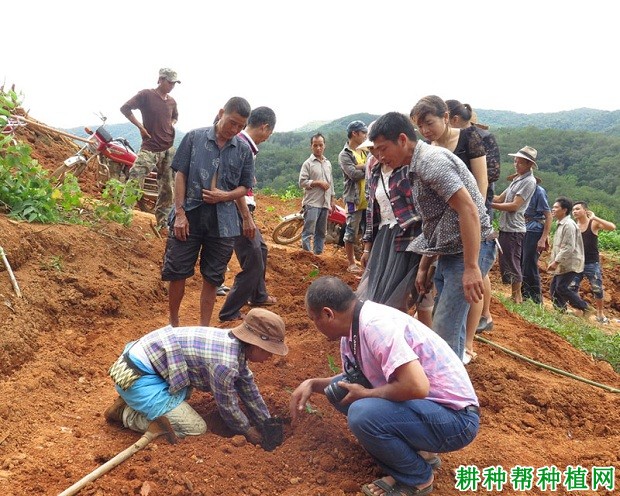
(114, 157)
(289, 230)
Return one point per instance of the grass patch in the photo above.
(575, 330)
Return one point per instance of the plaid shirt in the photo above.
(399, 189)
(209, 359)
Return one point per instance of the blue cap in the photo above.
(356, 126)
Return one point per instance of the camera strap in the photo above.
(355, 329)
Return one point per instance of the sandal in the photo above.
(484, 325)
(354, 268)
(434, 462)
(397, 489)
(469, 356)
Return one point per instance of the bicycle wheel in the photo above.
(289, 231)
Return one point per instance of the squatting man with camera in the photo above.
(406, 394)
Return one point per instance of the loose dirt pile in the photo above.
(88, 291)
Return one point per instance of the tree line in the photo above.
(581, 165)
(578, 150)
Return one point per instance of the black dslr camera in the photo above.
(353, 375)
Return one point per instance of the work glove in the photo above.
(272, 433)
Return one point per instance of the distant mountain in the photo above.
(125, 130)
(583, 119)
(341, 124)
(311, 126)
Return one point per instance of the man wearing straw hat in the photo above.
(512, 204)
(154, 375)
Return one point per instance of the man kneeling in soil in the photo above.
(155, 374)
(417, 399)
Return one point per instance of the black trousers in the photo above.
(561, 294)
(249, 283)
(529, 267)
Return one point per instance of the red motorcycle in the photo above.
(289, 230)
(114, 157)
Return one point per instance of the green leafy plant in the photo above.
(118, 200)
(609, 241)
(291, 192)
(25, 189)
(55, 263)
(313, 273)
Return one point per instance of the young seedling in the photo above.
(331, 362)
(309, 407)
(313, 273)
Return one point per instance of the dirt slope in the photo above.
(86, 292)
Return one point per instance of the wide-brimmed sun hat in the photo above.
(264, 329)
(527, 152)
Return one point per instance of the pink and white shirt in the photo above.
(390, 338)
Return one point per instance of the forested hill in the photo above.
(584, 119)
(573, 161)
(578, 150)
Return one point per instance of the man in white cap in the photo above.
(155, 374)
(159, 115)
(512, 203)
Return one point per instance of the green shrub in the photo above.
(609, 241)
(118, 200)
(26, 192)
(291, 192)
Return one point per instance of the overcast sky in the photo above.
(317, 60)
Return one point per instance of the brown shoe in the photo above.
(114, 412)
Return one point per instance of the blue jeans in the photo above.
(393, 432)
(592, 271)
(451, 307)
(315, 225)
(529, 267)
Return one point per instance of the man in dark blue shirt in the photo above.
(538, 224)
(214, 167)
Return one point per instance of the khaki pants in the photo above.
(184, 420)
